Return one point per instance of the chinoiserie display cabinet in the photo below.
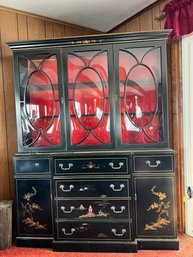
(94, 170)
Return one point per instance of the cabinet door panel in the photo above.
(34, 207)
(89, 96)
(142, 92)
(39, 100)
(155, 207)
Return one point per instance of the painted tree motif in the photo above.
(29, 208)
(161, 208)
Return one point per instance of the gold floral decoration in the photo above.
(161, 208)
(29, 208)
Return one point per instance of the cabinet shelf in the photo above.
(144, 113)
(81, 84)
(42, 86)
(28, 102)
(106, 98)
(47, 117)
(94, 220)
(122, 114)
(89, 115)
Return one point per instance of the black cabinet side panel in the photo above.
(155, 207)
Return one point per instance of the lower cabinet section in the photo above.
(95, 212)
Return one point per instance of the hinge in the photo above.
(135, 197)
(189, 192)
(62, 100)
(116, 98)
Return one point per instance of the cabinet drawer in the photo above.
(153, 163)
(92, 188)
(88, 230)
(35, 165)
(91, 165)
(92, 209)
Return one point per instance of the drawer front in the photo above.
(35, 165)
(92, 188)
(92, 209)
(153, 163)
(91, 165)
(99, 230)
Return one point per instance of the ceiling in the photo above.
(102, 15)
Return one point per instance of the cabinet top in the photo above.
(91, 39)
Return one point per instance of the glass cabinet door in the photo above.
(141, 95)
(38, 95)
(89, 85)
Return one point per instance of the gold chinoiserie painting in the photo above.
(161, 208)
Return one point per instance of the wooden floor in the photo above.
(186, 250)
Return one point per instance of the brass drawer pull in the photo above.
(63, 208)
(111, 164)
(68, 234)
(117, 234)
(90, 165)
(118, 189)
(113, 208)
(158, 162)
(61, 165)
(66, 190)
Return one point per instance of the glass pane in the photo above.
(89, 98)
(141, 96)
(39, 100)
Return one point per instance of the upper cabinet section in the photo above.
(94, 93)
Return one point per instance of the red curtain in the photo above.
(179, 17)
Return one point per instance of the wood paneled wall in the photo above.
(177, 127)
(15, 25)
(146, 21)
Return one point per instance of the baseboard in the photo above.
(98, 246)
(158, 244)
(35, 242)
(94, 246)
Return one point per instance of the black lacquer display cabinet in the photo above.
(94, 170)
